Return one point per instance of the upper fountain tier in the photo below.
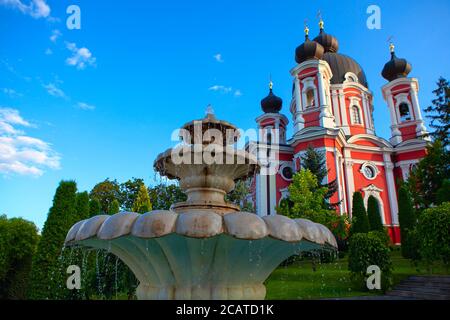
(207, 164)
(209, 130)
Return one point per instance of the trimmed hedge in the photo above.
(366, 249)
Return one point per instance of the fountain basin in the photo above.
(202, 254)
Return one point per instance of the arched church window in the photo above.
(404, 112)
(356, 117)
(269, 138)
(310, 98)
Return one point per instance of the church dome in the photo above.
(396, 67)
(341, 64)
(328, 42)
(308, 50)
(271, 103)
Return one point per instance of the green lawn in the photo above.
(299, 281)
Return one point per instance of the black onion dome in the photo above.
(396, 68)
(341, 64)
(308, 50)
(271, 103)
(328, 42)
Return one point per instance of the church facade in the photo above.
(331, 110)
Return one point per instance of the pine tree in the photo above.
(75, 257)
(115, 207)
(360, 221)
(142, 203)
(439, 112)
(44, 273)
(407, 220)
(316, 162)
(373, 214)
(82, 206)
(443, 194)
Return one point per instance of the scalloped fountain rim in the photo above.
(199, 224)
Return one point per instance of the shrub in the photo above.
(20, 238)
(366, 249)
(360, 222)
(433, 235)
(383, 236)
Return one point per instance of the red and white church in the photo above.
(332, 110)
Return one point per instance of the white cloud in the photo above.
(81, 57)
(12, 116)
(35, 8)
(55, 35)
(53, 90)
(218, 57)
(22, 154)
(48, 51)
(85, 106)
(220, 88)
(11, 92)
(226, 90)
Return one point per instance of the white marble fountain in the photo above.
(203, 248)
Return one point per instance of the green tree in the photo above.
(239, 194)
(407, 220)
(306, 201)
(18, 240)
(44, 273)
(142, 203)
(94, 207)
(128, 192)
(439, 112)
(4, 262)
(373, 214)
(316, 162)
(163, 196)
(115, 207)
(360, 221)
(433, 234)
(443, 194)
(429, 175)
(106, 192)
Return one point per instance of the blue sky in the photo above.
(103, 101)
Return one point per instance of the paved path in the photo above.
(423, 288)
(415, 288)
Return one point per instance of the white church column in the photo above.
(420, 130)
(299, 121)
(343, 109)
(326, 118)
(405, 171)
(392, 192)
(337, 115)
(396, 135)
(273, 194)
(366, 112)
(338, 180)
(350, 183)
